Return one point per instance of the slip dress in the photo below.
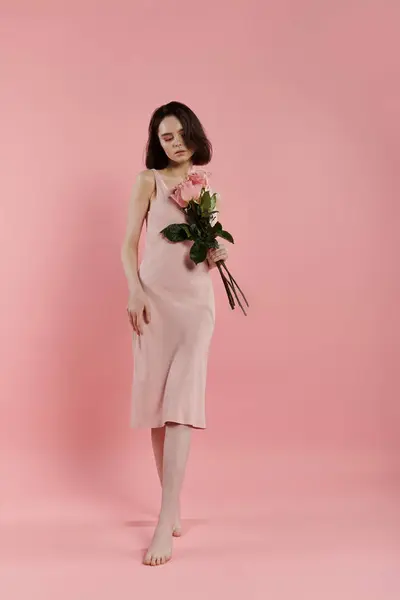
(170, 358)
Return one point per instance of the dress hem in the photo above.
(163, 423)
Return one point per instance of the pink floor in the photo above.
(291, 527)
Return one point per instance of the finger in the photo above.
(147, 313)
(132, 320)
(139, 325)
(135, 327)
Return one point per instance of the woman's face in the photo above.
(170, 133)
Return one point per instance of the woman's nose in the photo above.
(178, 141)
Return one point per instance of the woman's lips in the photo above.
(180, 152)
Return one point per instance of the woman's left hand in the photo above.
(214, 255)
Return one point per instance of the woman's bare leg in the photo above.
(157, 440)
(176, 452)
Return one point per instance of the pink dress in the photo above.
(170, 358)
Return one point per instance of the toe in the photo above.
(177, 532)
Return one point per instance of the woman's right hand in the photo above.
(138, 310)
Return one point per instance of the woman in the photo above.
(171, 311)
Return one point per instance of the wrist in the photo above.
(134, 286)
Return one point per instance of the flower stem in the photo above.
(228, 291)
(234, 282)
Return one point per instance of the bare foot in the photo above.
(177, 530)
(160, 549)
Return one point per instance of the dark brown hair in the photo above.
(193, 134)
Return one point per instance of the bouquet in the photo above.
(198, 203)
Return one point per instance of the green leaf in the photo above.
(217, 227)
(177, 232)
(198, 252)
(194, 230)
(205, 201)
(213, 201)
(187, 230)
(226, 235)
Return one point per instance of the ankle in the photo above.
(166, 521)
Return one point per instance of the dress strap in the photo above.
(156, 179)
(159, 180)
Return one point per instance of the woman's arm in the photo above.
(138, 304)
(142, 191)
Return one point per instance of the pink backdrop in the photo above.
(301, 100)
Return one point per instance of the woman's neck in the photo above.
(180, 170)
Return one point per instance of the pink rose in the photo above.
(200, 178)
(190, 189)
(185, 192)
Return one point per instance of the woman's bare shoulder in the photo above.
(145, 181)
(146, 176)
